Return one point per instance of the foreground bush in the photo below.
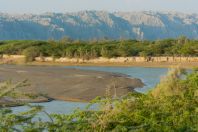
(171, 106)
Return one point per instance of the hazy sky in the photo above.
(40, 6)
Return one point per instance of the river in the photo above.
(150, 77)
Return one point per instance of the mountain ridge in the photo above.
(98, 25)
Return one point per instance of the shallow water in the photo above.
(150, 77)
(58, 107)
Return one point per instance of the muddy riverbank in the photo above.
(61, 83)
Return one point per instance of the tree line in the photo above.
(65, 47)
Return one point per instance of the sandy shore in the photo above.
(61, 83)
(187, 65)
(183, 62)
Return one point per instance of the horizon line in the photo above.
(55, 12)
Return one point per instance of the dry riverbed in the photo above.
(56, 82)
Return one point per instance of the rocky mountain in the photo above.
(98, 25)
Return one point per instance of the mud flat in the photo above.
(56, 82)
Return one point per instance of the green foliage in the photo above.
(9, 89)
(103, 48)
(17, 46)
(169, 85)
(30, 53)
(108, 51)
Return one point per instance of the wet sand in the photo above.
(61, 83)
(187, 65)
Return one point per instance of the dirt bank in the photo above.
(184, 62)
(187, 65)
(69, 84)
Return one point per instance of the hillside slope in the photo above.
(99, 24)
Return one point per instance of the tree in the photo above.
(182, 40)
(143, 54)
(65, 40)
(106, 52)
(124, 50)
(30, 53)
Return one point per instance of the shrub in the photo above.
(30, 53)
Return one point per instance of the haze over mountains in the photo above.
(99, 24)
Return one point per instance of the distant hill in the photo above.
(98, 25)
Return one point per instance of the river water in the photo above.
(150, 77)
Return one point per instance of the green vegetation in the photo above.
(30, 53)
(103, 48)
(10, 89)
(171, 106)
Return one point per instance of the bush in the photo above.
(30, 53)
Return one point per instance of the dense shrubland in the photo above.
(103, 48)
(171, 106)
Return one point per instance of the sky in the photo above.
(62, 6)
